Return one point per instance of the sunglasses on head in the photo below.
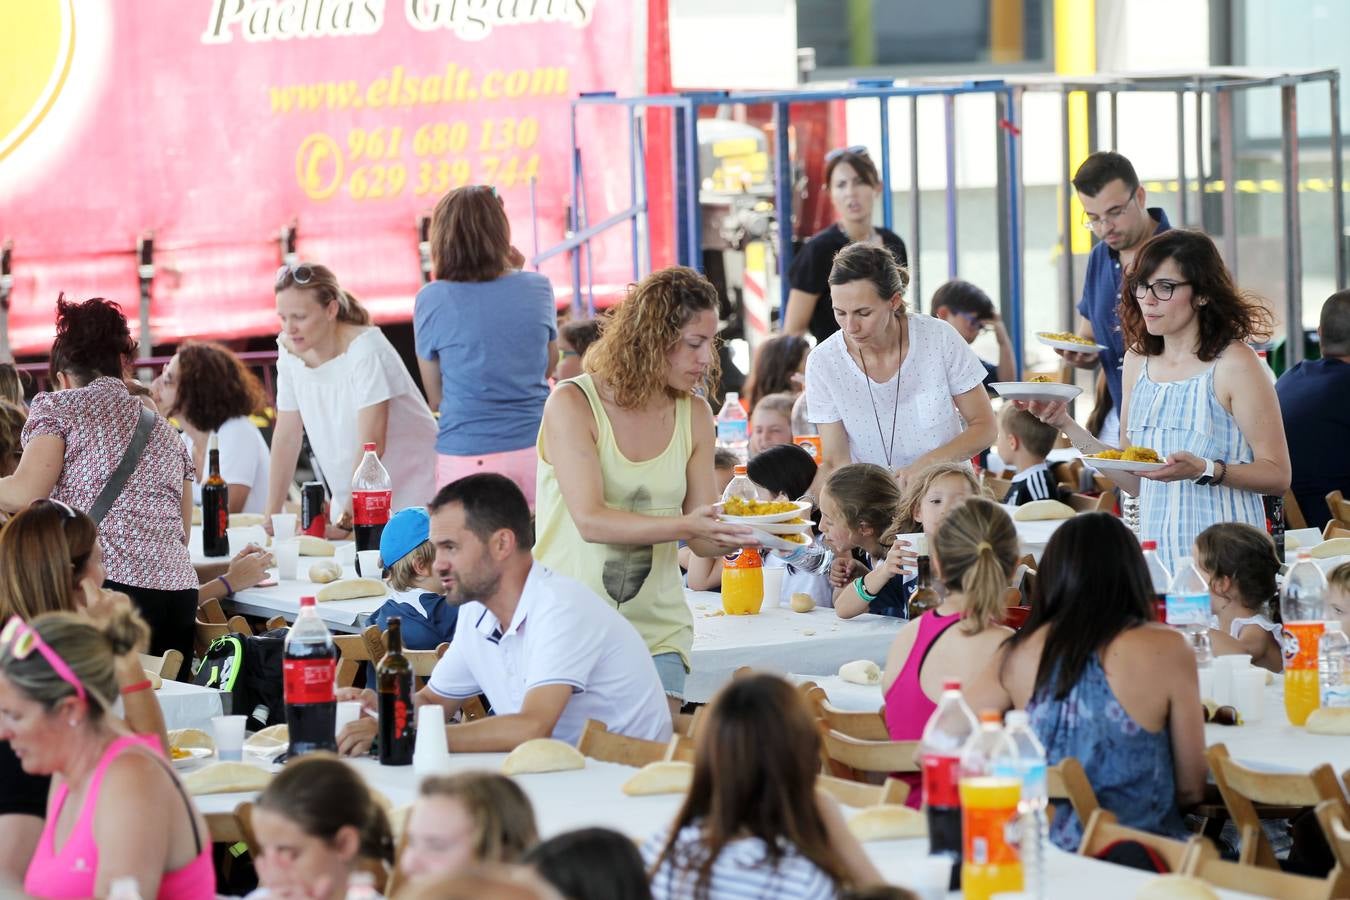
(856, 150)
(302, 274)
(18, 640)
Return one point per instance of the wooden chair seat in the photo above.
(166, 667)
(1204, 863)
(1066, 780)
(354, 649)
(597, 743)
(1293, 515)
(1082, 503)
(1338, 506)
(1335, 528)
(866, 726)
(1103, 830)
(1335, 822)
(858, 795)
(851, 758)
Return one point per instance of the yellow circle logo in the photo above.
(37, 44)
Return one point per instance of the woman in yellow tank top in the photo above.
(626, 464)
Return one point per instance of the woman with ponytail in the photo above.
(973, 554)
(342, 383)
(58, 683)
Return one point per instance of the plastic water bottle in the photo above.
(1129, 512)
(1159, 577)
(1302, 607)
(949, 728)
(309, 665)
(1188, 608)
(733, 426)
(1022, 756)
(990, 807)
(1333, 666)
(813, 558)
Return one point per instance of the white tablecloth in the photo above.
(189, 706)
(283, 598)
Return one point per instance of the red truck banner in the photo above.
(212, 124)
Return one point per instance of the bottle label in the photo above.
(1300, 644)
(939, 780)
(1336, 696)
(1031, 774)
(1188, 609)
(810, 443)
(733, 431)
(371, 507)
(309, 680)
(991, 836)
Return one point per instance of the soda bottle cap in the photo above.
(740, 470)
(1149, 545)
(213, 443)
(1304, 553)
(306, 601)
(368, 446)
(991, 715)
(1016, 718)
(951, 684)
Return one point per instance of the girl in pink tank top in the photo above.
(974, 552)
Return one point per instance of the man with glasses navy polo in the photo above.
(1114, 210)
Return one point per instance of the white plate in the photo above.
(784, 527)
(1068, 345)
(1043, 391)
(774, 542)
(1120, 465)
(803, 510)
(194, 754)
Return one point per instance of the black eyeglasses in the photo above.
(1161, 289)
(856, 150)
(301, 274)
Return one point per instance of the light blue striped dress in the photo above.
(1186, 415)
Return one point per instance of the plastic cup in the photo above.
(1249, 693)
(239, 538)
(431, 754)
(929, 877)
(287, 555)
(773, 587)
(1226, 669)
(348, 711)
(1207, 683)
(228, 732)
(368, 564)
(283, 525)
(345, 554)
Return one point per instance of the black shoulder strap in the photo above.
(118, 479)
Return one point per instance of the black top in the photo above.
(810, 271)
(20, 792)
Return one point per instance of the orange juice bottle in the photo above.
(1302, 606)
(742, 583)
(989, 826)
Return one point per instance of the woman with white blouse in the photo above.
(892, 388)
(342, 383)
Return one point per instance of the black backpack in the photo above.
(248, 667)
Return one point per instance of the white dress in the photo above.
(244, 459)
(328, 398)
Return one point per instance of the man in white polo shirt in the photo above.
(548, 653)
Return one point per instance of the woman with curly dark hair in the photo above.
(1195, 393)
(626, 464)
(779, 368)
(208, 389)
(74, 440)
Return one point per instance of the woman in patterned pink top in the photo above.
(74, 439)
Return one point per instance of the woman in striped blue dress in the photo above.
(1197, 394)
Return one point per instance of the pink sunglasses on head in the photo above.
(19, 640)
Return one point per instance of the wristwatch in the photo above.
(1208, 478)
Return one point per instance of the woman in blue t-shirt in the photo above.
(487, 342)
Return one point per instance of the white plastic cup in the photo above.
(345, 554)
(228, 732)
(1207, 683)
(287, 555)
(929, 877)
(348, 711)
(1249, 693)
(368, 564)
(1226, 669)
(239, 538)
(431, 754)
(773, 587)
(283, 525)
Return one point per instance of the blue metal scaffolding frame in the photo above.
(686, 179)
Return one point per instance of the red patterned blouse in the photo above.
(142, 534)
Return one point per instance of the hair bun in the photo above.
(125, 631)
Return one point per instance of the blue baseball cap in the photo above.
(405, 531)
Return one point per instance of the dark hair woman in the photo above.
(592, 864)
(75, 438)
(209, 390)
(779, 368)
(1195, 393)
(853, 183)
(1103, 683)
(487, 342)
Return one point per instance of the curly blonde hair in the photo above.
(634, 344)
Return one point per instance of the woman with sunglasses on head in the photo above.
(116, 810)
(74, 443)
(487, 342)
(342, 383)
(853, 184)
(1195, 392)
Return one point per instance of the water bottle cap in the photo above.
(952, 684)
(306, 601)
(1149, 545)
(990, 715)
(1016, 718)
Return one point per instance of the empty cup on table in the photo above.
(1249, 693)
(283, 525)
(287, 554)
(228, 732)
(1207, 683)
(348, 711)
(368, 563)
(239, 538)
(773, 587)
(431, 753)
(345, 554)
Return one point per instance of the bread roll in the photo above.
(269, 738)
(1043, 511)
(227, 778)
(1329, 720)
(660, 778)
(1176, 887)
(1328, 549)
(888, 822)
(246, 520)
(188, 738)
(315, 546)
(802, 603)
(196, 515)
(351, 589)
(542, 755)
(324, 571)
(861, 671)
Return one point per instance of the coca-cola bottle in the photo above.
(946, 733)
(308, 668)
(215, 506)
(372, 495)
(394, 678)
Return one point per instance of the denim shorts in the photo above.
(670, 669)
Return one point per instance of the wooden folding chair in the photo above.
(1083, 503)
(850, 758)
(597, 743)
(996, 487)
(1024, 580)
(1335, 822)
(1069, 474)
(1066, 780)
(1293, 515)
(1103, 830)
(1338, 506)
(354, 649)
(859, 795)
(1335, 528)
(166, 667)
(1204, 863)
(866, 726)
(689, 724)
(1243, 788)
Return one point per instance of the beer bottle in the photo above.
(394, 679)
(215, 506)
(924, 597)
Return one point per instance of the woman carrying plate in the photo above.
(1195, 393)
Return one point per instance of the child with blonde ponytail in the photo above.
(973, 552)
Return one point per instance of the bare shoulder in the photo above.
(1151, 644)
(136, 773)
(1238, 361)
(566, 399)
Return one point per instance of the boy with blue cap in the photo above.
(416, 592)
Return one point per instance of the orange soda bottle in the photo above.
(1302, 606)
(743, 583)
(991, 861)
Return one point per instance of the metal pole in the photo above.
(915, 288)
(1228, 168)
(1002, 215)
(632, 185)
(693, 221)
(782, 198)
(677, 125)
(1067, 305)
(1181, 158)
(1293, 246)
(949, 115)
(573, 179)
(887, 198)
(1115, 120)
(1200, 218)
(1011, 175)
(642, 186)
(1337, 173)
(1093, 126)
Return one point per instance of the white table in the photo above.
(283, 599)
(189, 706)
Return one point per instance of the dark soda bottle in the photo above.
(924, 597)
(947, 731)
(372, 495)
(215, 506)
(308, 669)
(394, 678)
(313, 509)
(1275, 523)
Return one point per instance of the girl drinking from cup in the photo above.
(857, 506)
